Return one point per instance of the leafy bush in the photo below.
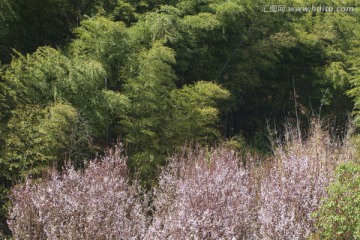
(339, 214)
(99, 203)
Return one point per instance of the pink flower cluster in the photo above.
(201, 194)
(204, 195)
(99, 203)
(293, 187)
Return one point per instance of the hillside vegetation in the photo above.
(79, 77)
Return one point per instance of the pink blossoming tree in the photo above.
(201, 194)
(204, 195)
(98, 203)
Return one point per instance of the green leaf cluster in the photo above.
(339, 214)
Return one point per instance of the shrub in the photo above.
(201, 194)
(339, 214)
(295, 184)
(98, 203)
(204, 195)
(212, 195)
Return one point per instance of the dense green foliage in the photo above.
(76, 76)
(339, 215)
